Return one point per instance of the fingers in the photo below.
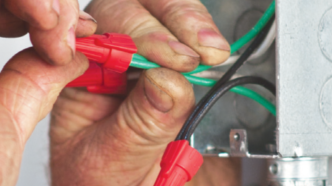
(43, 14)
(29, 87)
(57, 46)
(140, 129)
(10, 25)
(158, 105)
(86, 25)
(53, 25)
(76, 109)
(153, 40)
(148, 120)
(192, 24)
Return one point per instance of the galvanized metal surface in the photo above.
(238, 143)
(234, 18)
(239, 146)
(304, 71)
(306, 171)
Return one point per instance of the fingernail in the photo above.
(71, 40)
(86, 16)
(56, 6)
(157, 97)
(182, 49)
(210, 38)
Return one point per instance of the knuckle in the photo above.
(185, 11)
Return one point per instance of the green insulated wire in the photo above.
(238, 90)
(246, 38)
(141, 62)
(255, 96)
(255, 30)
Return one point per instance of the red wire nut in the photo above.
(114, 51)
(179, 164)
(92, 76)
(113, 83)
(101, 80)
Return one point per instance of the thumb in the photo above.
(148, 120)
(157, 107)
(29, 86)
(127, 144)
(28, 89)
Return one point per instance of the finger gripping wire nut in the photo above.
(179, 164)
(114, 51)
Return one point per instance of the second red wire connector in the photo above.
(110, 56)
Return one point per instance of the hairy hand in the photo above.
(112, 140)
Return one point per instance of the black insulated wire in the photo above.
(252, 47)
(220, 91)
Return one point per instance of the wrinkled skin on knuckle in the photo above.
(132, 130)
(176, 85)
(122, 24)
(154, 45)
(150, 124)
(151, 37)
(53, 44)
(32, 87)
(185, 19)
(106, 166)
(193, 11)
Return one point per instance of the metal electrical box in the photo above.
(301, 66)
(212, 137)
(304, 72)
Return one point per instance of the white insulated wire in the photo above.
(216, 74)
(213, 74)
(260, 50)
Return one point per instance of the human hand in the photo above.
(175, 34)
(105, 140)
(29, 86)
(111, 140)
(28, 89)
(52, 25)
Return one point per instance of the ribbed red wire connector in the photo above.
(92, 76)
(101, 80)
(179, 164)
(114, 51)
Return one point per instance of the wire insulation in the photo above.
(238, 90)
(232, 70)
(260, 50)
(255, 30)
(139, 61)
(220, 91)
(220, 87)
